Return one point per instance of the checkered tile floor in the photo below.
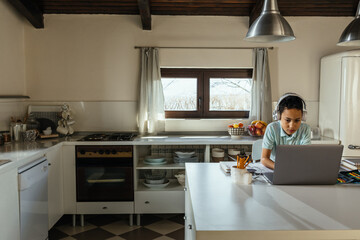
(116, 227)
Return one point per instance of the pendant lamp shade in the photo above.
(270, 26)
(351, 34)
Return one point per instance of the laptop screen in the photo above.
(307, 164)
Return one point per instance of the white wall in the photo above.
(92, 57)
(12, 59)
(12, 63)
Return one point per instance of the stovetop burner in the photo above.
(109, 137)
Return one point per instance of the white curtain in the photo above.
(151, 114)
(261, 107)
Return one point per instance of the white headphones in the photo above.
(276, 113)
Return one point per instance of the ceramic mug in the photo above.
(240, 176)
(62, 130)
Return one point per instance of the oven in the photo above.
(104, 173)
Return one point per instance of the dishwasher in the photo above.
(33, 195)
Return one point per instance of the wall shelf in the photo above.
(14, 97)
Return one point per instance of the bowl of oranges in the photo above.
(236, 130)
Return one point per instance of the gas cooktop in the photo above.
(109, 137)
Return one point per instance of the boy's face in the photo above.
(290, 120)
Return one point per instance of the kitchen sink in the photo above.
(3, 161)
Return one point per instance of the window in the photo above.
(206, 93)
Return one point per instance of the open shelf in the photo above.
(169, 165)
(173, 186)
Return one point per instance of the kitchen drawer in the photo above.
(104, 207)
(160, 202)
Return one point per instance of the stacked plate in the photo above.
(182, 157)
(154, 160)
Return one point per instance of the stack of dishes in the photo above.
(182, 157)
(156, 179)
(154, 160)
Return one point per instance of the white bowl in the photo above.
(185, 154)
(154, 159)
(47, 131)
(159, 181)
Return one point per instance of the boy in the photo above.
(289, 130)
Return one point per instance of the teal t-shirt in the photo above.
(275, 135)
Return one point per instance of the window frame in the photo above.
(203, 91)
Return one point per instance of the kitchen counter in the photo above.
(223, 210)
(21, 153)
(205, 139)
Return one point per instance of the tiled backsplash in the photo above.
(122, 116)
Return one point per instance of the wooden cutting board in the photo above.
(54, 135)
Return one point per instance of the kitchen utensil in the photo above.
(17, 130)
(217, 154)
(158, 181)
(62, 130)
(154, 159)
(47, 131)
(155, 163)
(181, 178)
(7, 137)
(30, 135)
(155, 174)
(187, 159)
(185, 154)
(157, 185)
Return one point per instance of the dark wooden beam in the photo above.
(30, 10)
(255, 12)
(144, 9)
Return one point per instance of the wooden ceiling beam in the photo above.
(144, 9)
(29, 10)
(255, 12)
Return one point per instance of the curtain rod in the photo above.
(271, 48)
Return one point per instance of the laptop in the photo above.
(306, 164)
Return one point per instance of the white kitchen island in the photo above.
(215, 208)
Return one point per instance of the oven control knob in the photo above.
(82, 152)
(113, 151)
(107, 152)
(101, 151)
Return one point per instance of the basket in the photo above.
(236, 132)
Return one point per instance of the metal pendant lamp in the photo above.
(351, 34)
(270, 26)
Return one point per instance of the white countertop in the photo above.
(21, 153)
(220, 205)
(205, 139)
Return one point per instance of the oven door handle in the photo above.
(116, 180)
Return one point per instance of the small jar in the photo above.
(233, 154)
(217, 154)
(7, 137)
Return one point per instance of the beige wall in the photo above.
(12, 63)
(92, 57)
(12, 58)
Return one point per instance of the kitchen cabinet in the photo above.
(9, 206)
(68, 161)
(190, 228)
(169, 199)
(55, 185)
